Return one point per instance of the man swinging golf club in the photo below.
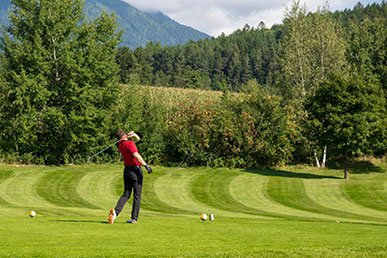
(133, 176)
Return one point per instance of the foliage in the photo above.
(367, 50)
(141, 111)
(144, 110)
(206, 64)
(60, 80)
(313, 48)
(192, 127)
(236, 131)
(349, 115)
(297, 52)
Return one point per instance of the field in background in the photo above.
(167, 97)
(294, 211)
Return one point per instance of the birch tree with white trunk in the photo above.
(313, 49)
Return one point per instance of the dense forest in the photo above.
(259, 55)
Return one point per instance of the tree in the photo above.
(349, 115)
(367, 50)
(312, 50)
(60, 79)
(328, 46)
(297, 51)
(127, 61)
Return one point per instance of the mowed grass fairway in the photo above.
(290, 212)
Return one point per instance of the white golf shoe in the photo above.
(132, 221)
(112, 216)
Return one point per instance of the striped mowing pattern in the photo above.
(92, 190)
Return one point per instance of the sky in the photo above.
(216, 16)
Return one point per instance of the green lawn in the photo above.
(289, 212)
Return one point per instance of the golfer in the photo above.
(133, 176)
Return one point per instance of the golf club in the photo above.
(111, 145)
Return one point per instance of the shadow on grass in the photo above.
(281, 173)
(356, 166)
(80, 221)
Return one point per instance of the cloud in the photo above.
(216, 16)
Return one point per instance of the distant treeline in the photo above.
(249, 54)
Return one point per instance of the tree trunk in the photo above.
(346, 172)
(316, 159)
(57, 77)
(324, 157)
(16, 145)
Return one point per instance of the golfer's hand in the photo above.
(133, 134)
(148, 168)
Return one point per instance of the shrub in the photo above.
(235, 131)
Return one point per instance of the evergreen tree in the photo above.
(367, 52)
(127, 61)
(60, 79)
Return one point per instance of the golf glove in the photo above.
(148, 168)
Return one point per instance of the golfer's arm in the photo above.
(136, 138)
(139, 158)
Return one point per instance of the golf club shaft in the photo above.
(126, 136)
(88, 160)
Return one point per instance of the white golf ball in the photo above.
(32, 214)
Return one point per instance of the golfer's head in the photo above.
(120, 134)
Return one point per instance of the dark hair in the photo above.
(120, 134)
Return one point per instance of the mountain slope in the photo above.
(139, 27)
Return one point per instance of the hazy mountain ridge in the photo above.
(139, 27)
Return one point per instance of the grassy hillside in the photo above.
(295, 211)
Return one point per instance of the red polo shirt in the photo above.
(127, 148)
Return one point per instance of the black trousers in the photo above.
(133, 178)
